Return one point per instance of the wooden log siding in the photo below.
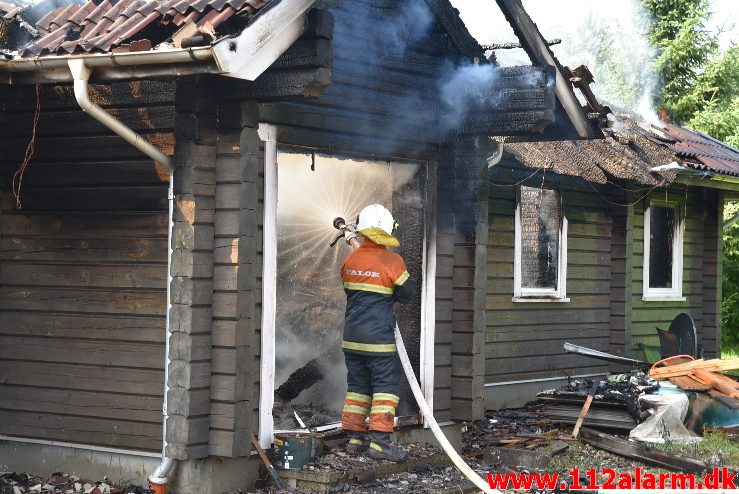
(524, 340)
(444, 290)
(470, 255)
(232, 398)
(646, 316)
(192, 270)
(83, 269)
(713, 271)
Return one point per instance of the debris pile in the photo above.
(61, 483)
(294, 416)
(615, 404)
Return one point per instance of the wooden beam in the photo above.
(537, 49)
(714, 365)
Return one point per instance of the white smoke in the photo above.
(608, 37)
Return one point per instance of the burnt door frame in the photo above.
(268, 135)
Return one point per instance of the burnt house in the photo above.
(598, 243)
(170, 172)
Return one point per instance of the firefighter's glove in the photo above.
(349, 234)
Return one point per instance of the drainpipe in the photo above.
(81, 75)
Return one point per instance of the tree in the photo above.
(730, 303)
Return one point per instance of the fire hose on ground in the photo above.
(428, 415)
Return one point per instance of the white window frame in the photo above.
(674, 294)
(523, 294)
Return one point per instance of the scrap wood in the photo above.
(716, 382)
(629, 449)
(689, 383)
(716, 365)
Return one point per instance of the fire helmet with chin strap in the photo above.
(377, 224)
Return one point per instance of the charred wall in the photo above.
(83, 268)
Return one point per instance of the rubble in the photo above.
(311, 415)
(61, 483)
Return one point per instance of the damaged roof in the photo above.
(629, 151)
(703, 152)
(58, 27)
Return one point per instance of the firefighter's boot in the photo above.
(357, 442)
(381, 448)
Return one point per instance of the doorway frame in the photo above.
(268, 135)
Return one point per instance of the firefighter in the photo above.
(374, 279)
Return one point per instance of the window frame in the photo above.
(558, 294)
(674, 294)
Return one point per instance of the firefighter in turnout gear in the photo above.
(374, 279)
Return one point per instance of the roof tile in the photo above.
(104, 25)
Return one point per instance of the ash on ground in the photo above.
(311, 415)
(61, 483)
(338, 459)
(503, 424)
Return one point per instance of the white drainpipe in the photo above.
(81, 75)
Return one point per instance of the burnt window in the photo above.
(662, 252)
(540, 244)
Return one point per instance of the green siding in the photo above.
(524, 340)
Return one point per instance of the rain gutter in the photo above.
(245, 56)
(174, 62)
(81, 73)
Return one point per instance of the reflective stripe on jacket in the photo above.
(374, 278)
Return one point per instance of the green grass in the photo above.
(714, 449)
(730, 352)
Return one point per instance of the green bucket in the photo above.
(294, 451)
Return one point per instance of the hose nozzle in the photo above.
(339, 223)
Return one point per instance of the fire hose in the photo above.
(410, 374)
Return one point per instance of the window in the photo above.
(540, 271)
(663, 253)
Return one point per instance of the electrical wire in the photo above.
(30, 149)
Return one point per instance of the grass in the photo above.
(714, 449)
(730, 352)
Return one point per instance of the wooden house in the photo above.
(598, 243)
(141, 239)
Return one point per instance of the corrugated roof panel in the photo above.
(714, 155)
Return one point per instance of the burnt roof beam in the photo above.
(537, 49)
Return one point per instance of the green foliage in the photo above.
(730, 303)
(685, 45)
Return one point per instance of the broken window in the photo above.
(662, 252)
(541, 244)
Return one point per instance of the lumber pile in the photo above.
(702, 375)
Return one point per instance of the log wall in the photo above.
(524, 339)
(83, 268)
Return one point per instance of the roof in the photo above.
(58, 27)
(629, 151)
(703, 151)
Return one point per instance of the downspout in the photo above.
(81, 75)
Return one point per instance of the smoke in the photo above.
(608, 37)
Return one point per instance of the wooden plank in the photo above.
(129, 301)
(122, 354)
(87, 430)
(82, 403)
(87, 276)
(84, 377)
(101, 249)
(99, 225)
(140, 329)
(715, 365)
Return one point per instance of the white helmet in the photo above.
(376, 223)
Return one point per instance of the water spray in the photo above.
(428, 415)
